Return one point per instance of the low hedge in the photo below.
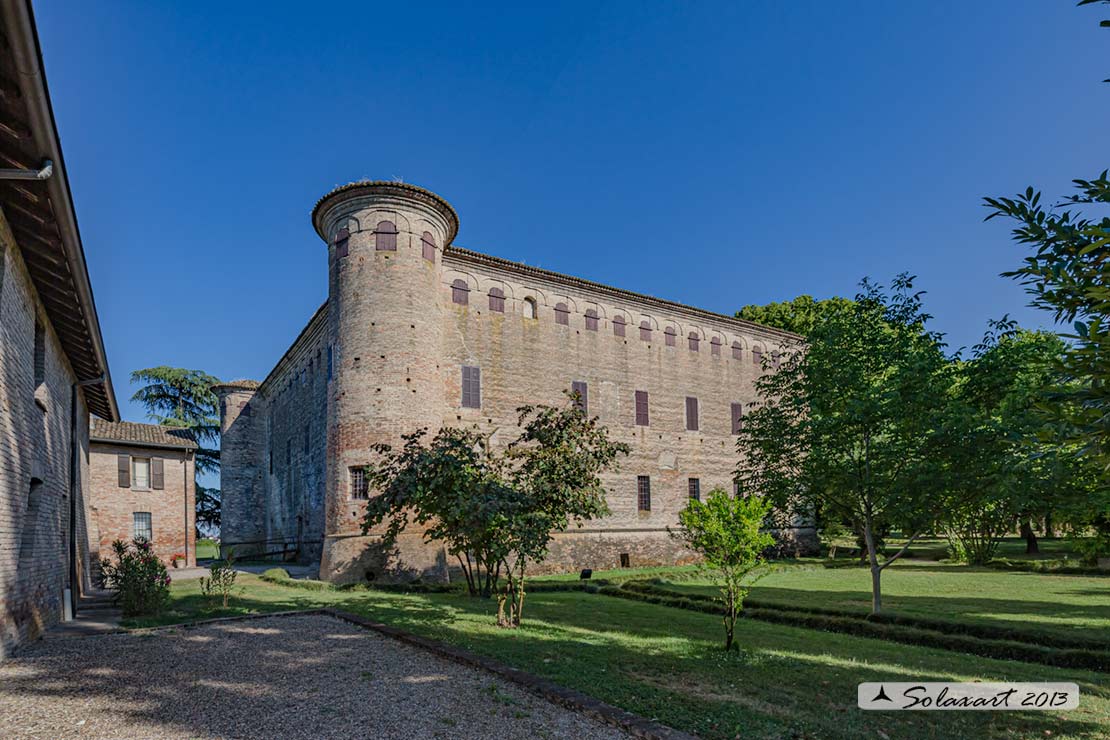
(1048, 567)
(1090, 659)
(282, 578)
(982, 631)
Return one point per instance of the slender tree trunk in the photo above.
(730, 616)
(1030, 536)
(1049, 531)
(876, 571)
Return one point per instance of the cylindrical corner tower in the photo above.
(385, 245)
(241, 513)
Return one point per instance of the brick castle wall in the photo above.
(35, 444)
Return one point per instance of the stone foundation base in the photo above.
(364, 559)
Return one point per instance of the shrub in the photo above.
(138, 577)
(276, 574)
(221, 579)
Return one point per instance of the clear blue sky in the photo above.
(716, 154)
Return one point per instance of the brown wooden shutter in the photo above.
(691, 414)
(157, 474)
(580, 387)
(471, 387)
(342, 243)
(642, 408)
(737, 417)
(123, 463)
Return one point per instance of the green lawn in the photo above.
(1075, 606)
(666, 664)
(207, 549)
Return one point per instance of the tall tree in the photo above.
(799, 315)
(182, 398)
(844, 425)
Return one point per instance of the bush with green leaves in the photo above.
(728, 533)
(138, 577)
(221, 579)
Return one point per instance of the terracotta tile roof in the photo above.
(145, 435)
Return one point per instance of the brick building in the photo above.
(418, 332)
(141, 480)
(53, 371)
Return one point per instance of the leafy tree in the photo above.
(728, 533)
(495, 510)
(182, 398)
(844, 426)
(798, 316)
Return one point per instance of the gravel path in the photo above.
(309, 676)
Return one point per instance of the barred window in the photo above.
(591, 319)
(460, 292)
(694, 489)
(141, 526)
(670, 336)
(643, 493)
(360, 487)
(428, 246)
(497, 300)
(385, 237)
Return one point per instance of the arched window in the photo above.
(670, 336)
(618, 325)
(645, 331)
(529, 308)
(694, 339)
(737, 351)
(428, 246)
(460, 292)
(385, 237)
(775, 359)
(591, 319)
(715, 346)
(497, 300)
(757, 355)
(562, 314)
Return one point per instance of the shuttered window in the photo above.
(157, 474)
(693, 487)
(691, 414)
(497, 300)
(737, 351)
(385, 237)
(583, 391)
(775, 356)
(562, 314)
(123, 464)
(645, 331)
(670, 336)
(643, 493)
(471, 387)
(428, 246)
(141, 526)
(342, 243)
(694, 341)
(737, 417)
(360, 489)
(641, 408)
(618, 325)
(140, 472)
(591, 319)
(757, 355)
(715, 347)
(460, 292)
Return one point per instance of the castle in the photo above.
(417, 333)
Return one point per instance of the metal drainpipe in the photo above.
(73, 489)
(185, 494)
